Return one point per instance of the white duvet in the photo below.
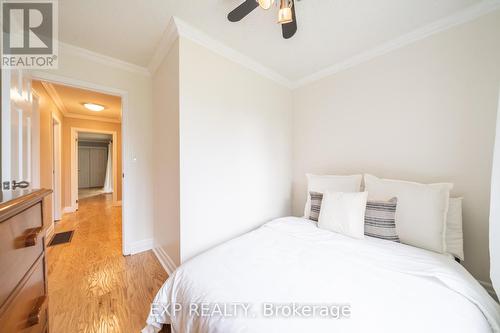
(389, 287)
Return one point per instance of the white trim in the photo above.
(489, 288)
(166, 262)
(466, 15)
(94, 118)
(103, 59)
(53, 78)
(35, 141)
(49, 232)
(57, 166)
(178, 27)
(170, 35)
(140, 246)
(68, 210)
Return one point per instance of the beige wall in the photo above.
(46, 108)
(425, 112)
(66, 151)
(222, 143)
(166, 156)
(235, 149)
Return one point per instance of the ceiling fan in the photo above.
(286, 14)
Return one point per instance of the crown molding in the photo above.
(103, 59)
(170, 35)
(179, 28)
(93, 118)
(197, 36)
(464, 16)
(54, 95)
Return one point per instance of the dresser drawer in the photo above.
(27, 312)
(21, 243)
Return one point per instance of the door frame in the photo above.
(35, 139)
(56, 166)
(74, 164)
(126, 136)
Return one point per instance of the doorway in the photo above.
(69, 193)
(94, 164)
(93, 154)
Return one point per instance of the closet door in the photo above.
(98, 163)
(83, 167)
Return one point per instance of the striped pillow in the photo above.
(380, 219)
(316, 199)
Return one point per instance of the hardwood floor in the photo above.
(92, 287)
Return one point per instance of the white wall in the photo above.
(166, 154)
(495, 211)
(425, 112)
(137, 136)
(235, 133)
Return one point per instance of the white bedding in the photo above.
(389, 287)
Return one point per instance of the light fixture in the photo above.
(265, 4)
(285, 13)
(93, 107)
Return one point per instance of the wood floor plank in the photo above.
(92, 287)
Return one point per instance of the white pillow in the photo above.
(421, 212)
(454, 232)
(344, 213)
(323, 183)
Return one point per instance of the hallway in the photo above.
(93, 288)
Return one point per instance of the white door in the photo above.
(19, 130)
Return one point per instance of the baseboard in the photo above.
(49, 233)
(165, 260)
(140, 246)
(67, 210)
(489, 288)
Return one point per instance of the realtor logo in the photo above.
(29, 34)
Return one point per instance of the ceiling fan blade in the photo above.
(242, 10)
(289, 29)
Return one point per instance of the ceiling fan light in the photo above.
(265, 4)
(285, 15)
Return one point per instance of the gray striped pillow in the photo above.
(380, 219)
(316, 199)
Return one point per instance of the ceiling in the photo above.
(329, 31)
(70, 102)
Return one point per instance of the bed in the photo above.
(290, 263)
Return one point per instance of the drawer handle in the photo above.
(36, 313)
(32, 236)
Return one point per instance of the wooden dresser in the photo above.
(23, 273)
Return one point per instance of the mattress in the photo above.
(290, 276)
